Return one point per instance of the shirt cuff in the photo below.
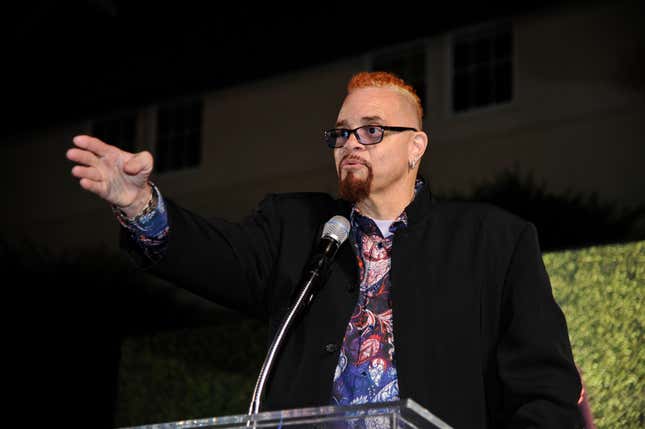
(152, 224)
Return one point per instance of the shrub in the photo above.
(566, 220)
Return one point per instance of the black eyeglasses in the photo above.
(366, 135)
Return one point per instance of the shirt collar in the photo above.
(368, 226)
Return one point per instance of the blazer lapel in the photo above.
(414, 296)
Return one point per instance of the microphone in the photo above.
(335, 232)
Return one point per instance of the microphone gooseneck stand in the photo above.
(277, 341)
(332, 239)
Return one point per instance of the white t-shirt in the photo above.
(384, 226)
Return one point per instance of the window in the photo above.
(482, 67)
(119, 131)
(409, 63)
(179, 134)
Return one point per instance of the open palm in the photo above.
(117, 176)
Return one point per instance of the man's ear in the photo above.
(418, 145)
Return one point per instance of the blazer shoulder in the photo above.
(497, 229)
(488, 215)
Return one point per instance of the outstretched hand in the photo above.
(117, 176)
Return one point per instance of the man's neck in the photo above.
(389, 203)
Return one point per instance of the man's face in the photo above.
(368, 169)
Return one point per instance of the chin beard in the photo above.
(354, 189)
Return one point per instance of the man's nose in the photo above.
(352, 143)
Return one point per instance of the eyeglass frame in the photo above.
(355, 132)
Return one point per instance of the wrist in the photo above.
(143, 204)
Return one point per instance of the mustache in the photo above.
(354, 158)
(350, 157)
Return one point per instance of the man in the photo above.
(445, 303)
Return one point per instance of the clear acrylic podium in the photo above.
(403, 414)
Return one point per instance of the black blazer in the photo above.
(479, 340)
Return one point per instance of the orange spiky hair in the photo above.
(380, 79)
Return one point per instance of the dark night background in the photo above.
(65, 60)
(68, 60)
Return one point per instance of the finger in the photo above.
(91, 185)
(82, 156)
(92, 144)
(138, 163)
(87, 173)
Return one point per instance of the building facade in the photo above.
(559, 94)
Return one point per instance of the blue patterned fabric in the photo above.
(150, 232)
(366, 369)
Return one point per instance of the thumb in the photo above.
(141, 162)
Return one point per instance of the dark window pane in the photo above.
(482, 51)
(461, 56)
(482, 81)
(502, 46)
(482, 63)
(503, 82)
(179, 136)
(460, 92)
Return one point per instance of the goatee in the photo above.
(354, 189)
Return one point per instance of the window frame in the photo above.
(450, 42)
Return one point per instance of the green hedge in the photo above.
(600, 290)
(211, 371)
(190, 373)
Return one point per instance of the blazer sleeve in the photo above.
(228, 263)
(540, 382)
